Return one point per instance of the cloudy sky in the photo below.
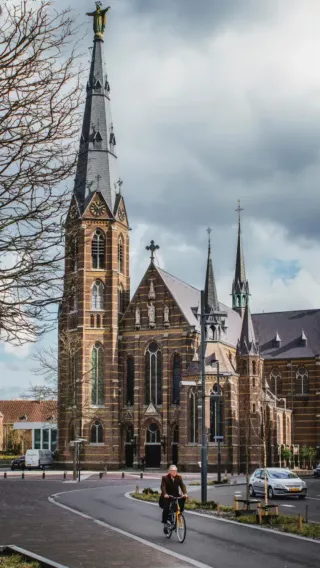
(214, 101)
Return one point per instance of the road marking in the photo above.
(243, 525)
(289, 506)
(313, 498)
(132, 536)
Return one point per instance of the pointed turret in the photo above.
(247, 344)
(240, 286)
(96, 168)
(210, 290)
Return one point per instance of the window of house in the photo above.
(53, 440)
(96, 436)
(176, 378)
(275, 381)
(98, 250)
(45, 439)
(97, 295)
(97, 376)
(153, 374)
(37, 439)
(130, 381)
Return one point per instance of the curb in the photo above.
(45, 562)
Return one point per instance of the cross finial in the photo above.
(239, 209)
(119, 184)
(152, 248)
(209, 231)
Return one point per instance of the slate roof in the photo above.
(34, 410)
(96, 168)
(289, 327)
(213, 351)
(188, 299)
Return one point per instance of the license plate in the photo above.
(294, 489)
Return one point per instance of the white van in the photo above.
(38, 458)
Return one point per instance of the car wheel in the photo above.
(251, 491)
(270, 493)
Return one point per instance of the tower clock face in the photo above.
(122, 214)
(97, 209)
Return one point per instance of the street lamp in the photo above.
(216, 395)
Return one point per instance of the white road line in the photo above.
(289, 506)
(243, 525)
(313, 498)
(133, 537)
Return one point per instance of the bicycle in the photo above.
(176, 521)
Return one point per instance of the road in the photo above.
(215, 543)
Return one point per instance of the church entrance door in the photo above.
(129, 455)
(153, 446)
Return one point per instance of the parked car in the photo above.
(281, 482)
(38, 459)
(18, 463)
(316, 472)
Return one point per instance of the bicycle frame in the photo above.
(174, 514)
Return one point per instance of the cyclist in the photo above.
(170, 485)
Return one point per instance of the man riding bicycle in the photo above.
(170, 485)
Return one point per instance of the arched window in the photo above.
(153, 375)
(98, 320)
(176, 378)
(153, 434)
(104, 320)
(130, 381)
(97, 375)
(74, 255)
(92, 320)
(96, 436)
(121, 255)
(98, 250)
(97, 295)
(254, 367)
(302, 382)
(216, 413)
(193, 417)
(121, 300)
(73, 303)
(275, 381)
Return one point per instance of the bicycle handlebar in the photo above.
(173, 497)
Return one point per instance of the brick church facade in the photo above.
(129, 369)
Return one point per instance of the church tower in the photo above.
(240, 285)
(96, 280)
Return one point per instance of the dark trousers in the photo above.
(166, 506)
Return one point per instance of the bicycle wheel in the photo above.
(181, 528)
(169, 530)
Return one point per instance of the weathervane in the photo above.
(152, 248)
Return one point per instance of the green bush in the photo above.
(16, 561)
(149, 491)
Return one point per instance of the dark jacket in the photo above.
(170, 485)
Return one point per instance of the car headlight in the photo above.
(279, 486)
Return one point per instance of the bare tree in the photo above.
(39, 123)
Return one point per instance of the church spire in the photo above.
(240, 286)
(247, 344)
(96, 168)
(210, 291)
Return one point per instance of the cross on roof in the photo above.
(239, 209)
(209, 231)
(152, 248)
(119, 184)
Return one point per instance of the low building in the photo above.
(28, 424)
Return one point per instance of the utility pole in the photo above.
(204, 473)
(218, 423)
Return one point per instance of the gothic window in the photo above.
(121, 300)
(245, 367)
(216, 413)
(120, 255)
(97, 295)
(104, 320)
(98, 320)
(97, 375)
(176, 378)
(98, 250)
(73, 361)
(153, 434)
(253, 408)
(275, 381)
(130, 381)
(96, 436)
(73, 298)
(254, 367)
(74, 255)
(302, 383)
(92, 320)
(193, 417)
(253, 382)
(153, 374)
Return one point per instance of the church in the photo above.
(129, 365)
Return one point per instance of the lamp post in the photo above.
(204, 456)
(77, 443)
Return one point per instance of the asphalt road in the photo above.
(290, 505)
(214, 543)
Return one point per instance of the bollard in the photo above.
(5, 475)
(299, 522)
(137, 489)
(141, 475)
(307, 511)
(43, 474)
(64, 475)
(100, 475)
(22, 475)
(122, 475)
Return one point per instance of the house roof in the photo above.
(34, 410)
(289, 327)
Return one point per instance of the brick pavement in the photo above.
(28, 520)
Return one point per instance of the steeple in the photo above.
(240, 286)
(210, 291)
(247, 345)
(97, 161)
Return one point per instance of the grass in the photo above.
(213, 482)
(16, 561)
(284, 523)
(7, 457)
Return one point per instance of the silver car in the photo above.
(281, 482)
